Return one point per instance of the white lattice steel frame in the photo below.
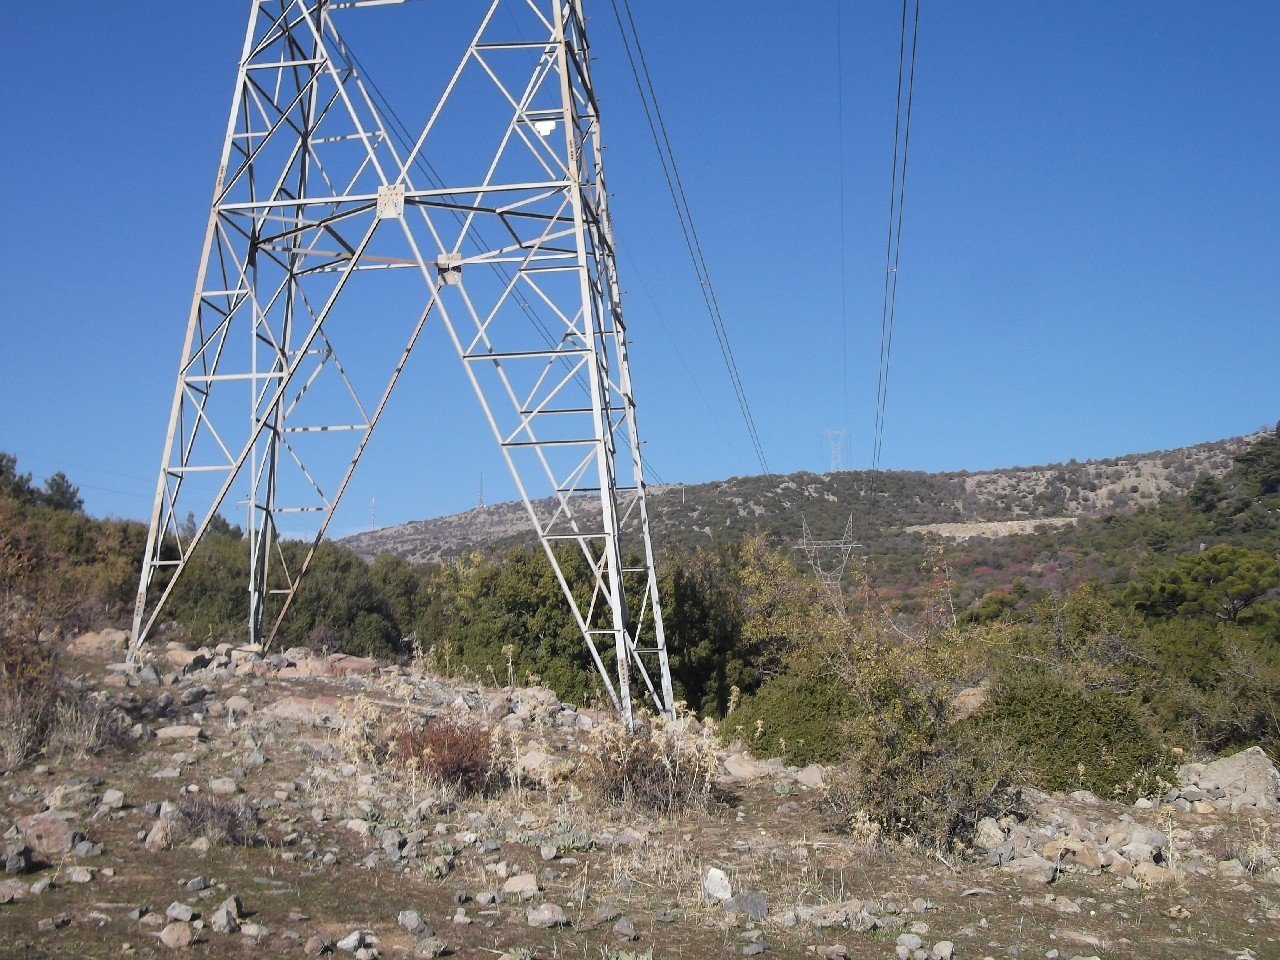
(322, 205)
(828, 558)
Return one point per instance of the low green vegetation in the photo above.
(1084, 658)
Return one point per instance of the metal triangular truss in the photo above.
(336, 233)
(828, 558)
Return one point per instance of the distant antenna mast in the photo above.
(480, 498)
(828, 558)
(836, 439)
(373, 513)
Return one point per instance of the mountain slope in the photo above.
(958, 504)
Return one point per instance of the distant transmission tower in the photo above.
(480, 496)
(836, 439)
(828, 558)
(337, 231)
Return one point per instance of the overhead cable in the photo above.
(675, 186)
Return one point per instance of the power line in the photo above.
(844, 273)
(675, 185)
(897, 198)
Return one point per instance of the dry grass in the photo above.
(447, 751)
(660, 767)
(231, 822)
(42, 713)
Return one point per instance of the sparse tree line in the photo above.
(1118, 642)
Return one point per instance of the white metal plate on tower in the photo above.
(391, 201)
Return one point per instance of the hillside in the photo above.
(957, 505)
(239, 810)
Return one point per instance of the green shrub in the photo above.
(1069, 738)
(797, 716)
(928, 790)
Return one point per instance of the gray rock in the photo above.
(353, 941)
(546, 915)
(17, 858)
(1247, 777)
(523, 885)
(1033, 868)
(180, 912)
(223, 921)
(750, 902)
(410, 921)
(113, 799)
(625, 929)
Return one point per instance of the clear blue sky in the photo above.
(1090, 263)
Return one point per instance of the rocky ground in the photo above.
(134, 852)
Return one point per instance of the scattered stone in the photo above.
(177, 936)
(317, 945)
(17, 858)
(716, 885)
(180, 732)
(180, 912)
(113, 799)
(49, 835)
(546, 915)
(1248, 778)
(749, 902)
(742, 767)
(224, 786)
(410, 921)
(223, 921)
(523, 885)
(430, 948)
(79, 874)
(625, 929)
(1152, 874)
(196, 884)
(353, 941)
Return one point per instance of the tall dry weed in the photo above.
(663, 766)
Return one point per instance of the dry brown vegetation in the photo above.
(659, 767)
(449, 751)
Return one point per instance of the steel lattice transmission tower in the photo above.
(828, 558)
(336, 233)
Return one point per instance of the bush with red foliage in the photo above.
(455, 753)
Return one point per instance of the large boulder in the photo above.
(1248, 778)
(49, 835)
(309, 711)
